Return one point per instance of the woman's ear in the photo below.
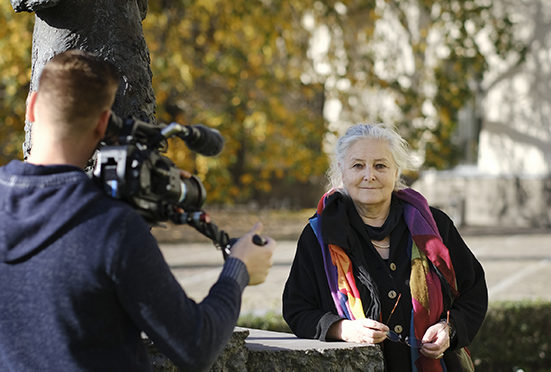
(397, 178)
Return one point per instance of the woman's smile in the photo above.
(369, 173)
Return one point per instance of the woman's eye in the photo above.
(380, 166)
(357, 165)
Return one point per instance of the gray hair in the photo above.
(398, 148)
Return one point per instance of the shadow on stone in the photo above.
(258, 350)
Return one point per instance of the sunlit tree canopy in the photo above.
(15, 63)
(263, 72)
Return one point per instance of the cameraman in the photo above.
(80, 274)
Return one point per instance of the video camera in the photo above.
(129, 167)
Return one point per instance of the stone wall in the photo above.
(476, 199)
(257, 350)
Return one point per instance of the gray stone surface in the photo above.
(260, 340)
(275, 351)
(232, 359)
(257, 350)
(235, 355)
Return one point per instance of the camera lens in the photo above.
(193, 194)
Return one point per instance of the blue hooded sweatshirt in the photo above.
(81, 277)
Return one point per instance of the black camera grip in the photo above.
(259, 240)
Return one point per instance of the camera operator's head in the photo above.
(71, 107)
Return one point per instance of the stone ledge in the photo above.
(258, 350)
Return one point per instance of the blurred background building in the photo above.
(471, 95)
(504, 177)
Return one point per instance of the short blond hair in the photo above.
(77, 87)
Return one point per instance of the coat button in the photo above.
(392, 294)
(398, 328)
(392, 266)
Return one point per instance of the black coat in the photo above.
(308, 306)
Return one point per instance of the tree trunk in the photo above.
(110, 29)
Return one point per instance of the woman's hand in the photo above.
(360, 331)
(436, 340)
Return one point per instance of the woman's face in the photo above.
(369, 172)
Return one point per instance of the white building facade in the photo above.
(510, 183)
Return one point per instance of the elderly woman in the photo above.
(377, 265)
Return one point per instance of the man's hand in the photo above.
(257, 259)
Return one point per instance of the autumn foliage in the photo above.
(248, 69)
(15, 62)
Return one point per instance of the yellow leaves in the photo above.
(267, 51)
(208, 5)
(255, 60)
(216, 120)
(224, 64)
(202, 166)
(264, 186)
(247, 179)
(236, 101)
(258, 124)
(201, 40)
(279, 72)
(9, 121)
(219, 36)
(445, 115)
(185, 74)
(15, 66)
(249, 31)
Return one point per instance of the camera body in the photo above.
(148, 181)
(129, 167)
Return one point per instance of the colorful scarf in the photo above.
(426, 291)
(338, 270)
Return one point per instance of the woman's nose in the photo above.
(368, 174)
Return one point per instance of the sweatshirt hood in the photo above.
(34, 204)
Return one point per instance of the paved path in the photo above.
(517, 267)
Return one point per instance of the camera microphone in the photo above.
(204, 140)
(199, 138)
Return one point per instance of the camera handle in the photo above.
(202, 222)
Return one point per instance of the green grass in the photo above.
(270, 321)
